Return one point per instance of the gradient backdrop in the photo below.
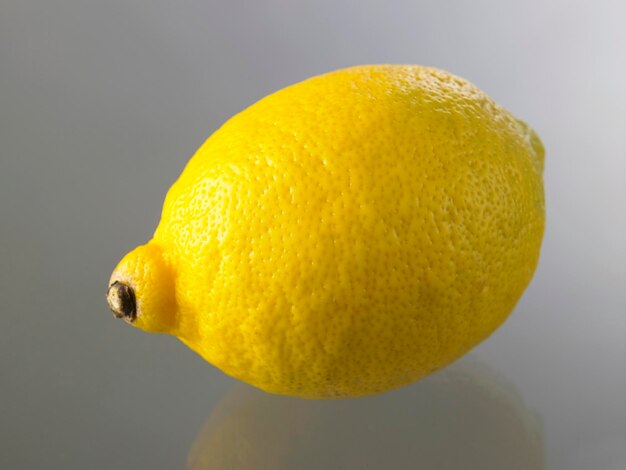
(101, 105)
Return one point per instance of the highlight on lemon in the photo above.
(345, 235)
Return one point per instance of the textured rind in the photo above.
(354, 232)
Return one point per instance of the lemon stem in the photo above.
(121, 299)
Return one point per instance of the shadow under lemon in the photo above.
(463, 417)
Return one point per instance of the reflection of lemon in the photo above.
(466, 417)
(346, 235)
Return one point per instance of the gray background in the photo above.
(101, 105)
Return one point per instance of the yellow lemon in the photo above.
(346, 235)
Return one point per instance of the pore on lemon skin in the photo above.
(346, 235)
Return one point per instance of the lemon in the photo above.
(346, 235)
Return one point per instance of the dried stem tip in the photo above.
(121, 299)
